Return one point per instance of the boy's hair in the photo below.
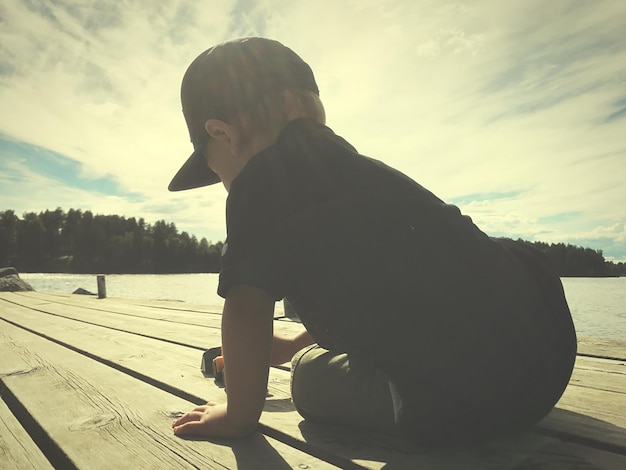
(267, 115)
(236, 78)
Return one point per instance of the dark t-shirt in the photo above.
(379, 267)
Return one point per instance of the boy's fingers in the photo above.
(207, 406)
(191, 416)
(189, 428)
(190, 423)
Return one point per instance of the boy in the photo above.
(417, 322)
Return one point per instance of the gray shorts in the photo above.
(333, 388)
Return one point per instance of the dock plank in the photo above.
(158, 311)
(362, 450)
(119, 315)
(597, 390)
(585, 367)
(175, 365)
(615, 349)
(591, 408)
(176, 309)
(102, 418)
(17, 450)
(172, 365)
(589, 370)
(91, 308)
(161, 360)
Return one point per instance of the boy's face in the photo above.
(212, 155)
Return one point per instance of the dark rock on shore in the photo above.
(10, 281)
(82, 291)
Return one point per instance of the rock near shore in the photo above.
(10, 281)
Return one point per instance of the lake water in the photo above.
(598, 305)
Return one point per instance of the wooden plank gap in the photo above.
(94, 309)
(137, 375)
(315, 451)
(171, 341)
(181, 308)
(575, 384)
(156, 308)
(581, 440)
(49, 448)
(600, 356)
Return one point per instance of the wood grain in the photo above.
(590, 408)
(103, 418)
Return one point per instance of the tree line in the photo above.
(575, 261)
(81, 242)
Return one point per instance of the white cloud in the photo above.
(107, 97)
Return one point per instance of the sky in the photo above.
(514, 111)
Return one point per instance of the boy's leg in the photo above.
(334, 388)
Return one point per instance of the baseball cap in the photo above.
(226, 79)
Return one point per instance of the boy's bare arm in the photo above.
(247, 346)
(284, 348)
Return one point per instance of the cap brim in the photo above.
(195, 173)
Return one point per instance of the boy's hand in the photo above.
(201, 421)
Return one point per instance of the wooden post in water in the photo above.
(102, 288)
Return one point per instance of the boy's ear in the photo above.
(218, 130)
(223, 133)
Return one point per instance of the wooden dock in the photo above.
(94, 383)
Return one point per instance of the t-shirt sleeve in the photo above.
(250, 254)
(250, 266)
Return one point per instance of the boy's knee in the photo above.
(305, 379)
(308, 366)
